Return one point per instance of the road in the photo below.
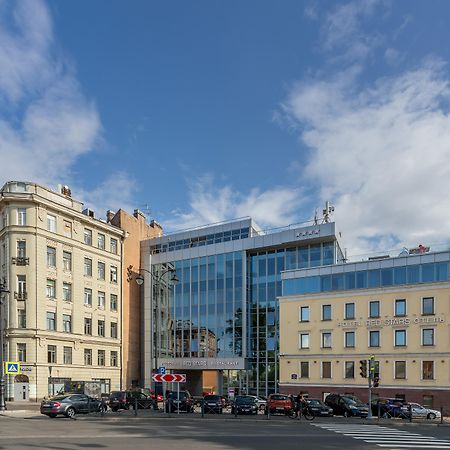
(213, 433)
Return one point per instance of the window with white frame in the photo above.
(21, 352)
(400, 338)
(88, 267)
(101, 270)
(349, 369)
(51, 354)
(67, 261)
(428, 336)
(21, 216)
(21, 249)
(67, 323)
(114, 359)
(51, 320)
(21, 287)
(87, 357)
(101, 357)
(113, 245)
(427, 370)
(349, 339)
(113, 274)
(21, 318)
(51, 288)
(304, 369)
(428, 306)
(304, 313)
(326, 339)
(114, 330)
(67, 292)
(304, 340)
(101, 300)
(87, 234)
(101, 241)
(67, 355)
(326, 369)
(400, 370)
(349, 311)
(101, 328)
(88, 326)
(113, 305)
(51, 256)
(88, 296)
(51, 223)
(326, 312)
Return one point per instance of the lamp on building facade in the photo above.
(157, 279)
(3, 291)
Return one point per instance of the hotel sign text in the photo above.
(391, 321)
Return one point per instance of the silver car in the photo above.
(420, 412)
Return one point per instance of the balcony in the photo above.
(20, 295)
(20, 261)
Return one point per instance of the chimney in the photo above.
(109, 215)
(138, 213)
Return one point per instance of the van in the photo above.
(346, 405)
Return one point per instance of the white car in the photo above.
(260, 401)
(420, 412)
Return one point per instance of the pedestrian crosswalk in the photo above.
(389, 438)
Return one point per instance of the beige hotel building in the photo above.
(62, 266)
(397, 309)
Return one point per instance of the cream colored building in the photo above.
(397, 309)
(63, 269)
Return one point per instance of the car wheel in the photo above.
(70, 413)
(52, 416)
(431, 416)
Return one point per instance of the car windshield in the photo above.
(279, 397)
(116, 394)
(353, 401)
(212, 398)
(315, 402)
(59, 397)
(245, 400)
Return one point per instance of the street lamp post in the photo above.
(3, 291)
(155, 298)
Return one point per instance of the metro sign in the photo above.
(169, 377)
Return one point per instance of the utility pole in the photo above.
(3, 291)
(370, 380)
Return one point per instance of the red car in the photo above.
(278, 403)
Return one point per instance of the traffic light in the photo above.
(363, 368)
(129, 273)
(372, 366)
(376, 382)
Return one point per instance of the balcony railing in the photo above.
(20, 295)
(20, 260)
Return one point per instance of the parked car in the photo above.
(319, 408)
(70, 404)
(346, 405)
(278, 403)
(244, 404)
(390, 407)
(421, 412)
(260, 401)
(212, 404)
(127, 399)
(179, 401)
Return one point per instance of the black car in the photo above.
(390, 407)
(319, 408)
(346, 405)
(213, 404)
(129, 399)
(244, 404)
(179, 401)
(70, 404)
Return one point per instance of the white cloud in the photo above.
(46, 123)
(209, 204)
(380, 153)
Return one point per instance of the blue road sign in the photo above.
(162, 370)
(12, 368)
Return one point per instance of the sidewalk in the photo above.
(21, 409)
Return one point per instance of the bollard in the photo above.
(102, 407)
(410, 412)
(203, 408)
(268, 412)
(89, 404)
(135, 407)
(235, 410)
(442, 415)
(379, 410)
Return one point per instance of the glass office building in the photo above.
(219, 322)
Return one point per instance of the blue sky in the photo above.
(209, 110)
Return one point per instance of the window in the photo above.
(67, 355)
(101, 241)
(21, 249)
(51, 353)
(326, 339)
(4, 220)
(21, 318)
(374, 338)
(400, 338)
(428, 336)
(400, 370)
(326, 312)
(51, 288)
(113, 274)
(67, 228)
(87, 236)
(114, 330)
(87, 357)
(349, 311)
(67, 323)
(349, 339)
(101, 300)
(349, 369)
(326, 369)
(88, 267)
(101, 328)
(113, 358)
(374, 309)
(113, 302)
(428, 306)
(304, 369)
(67, 261)
(67, 292)
(21, 287)
(101, 270)
(51, 257)
(427, 370)
(427, 401)
(88, 296)
(51, 223)
(88, 326)
(304, 340)
(101, 357)
(51, 321)
(400, 307)
(304, 313)
(21, 216)
(21, 352)
(113, 246)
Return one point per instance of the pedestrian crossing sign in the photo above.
(12, 368)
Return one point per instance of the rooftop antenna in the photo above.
(316, 218)
(146, 211)
(329, 209)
